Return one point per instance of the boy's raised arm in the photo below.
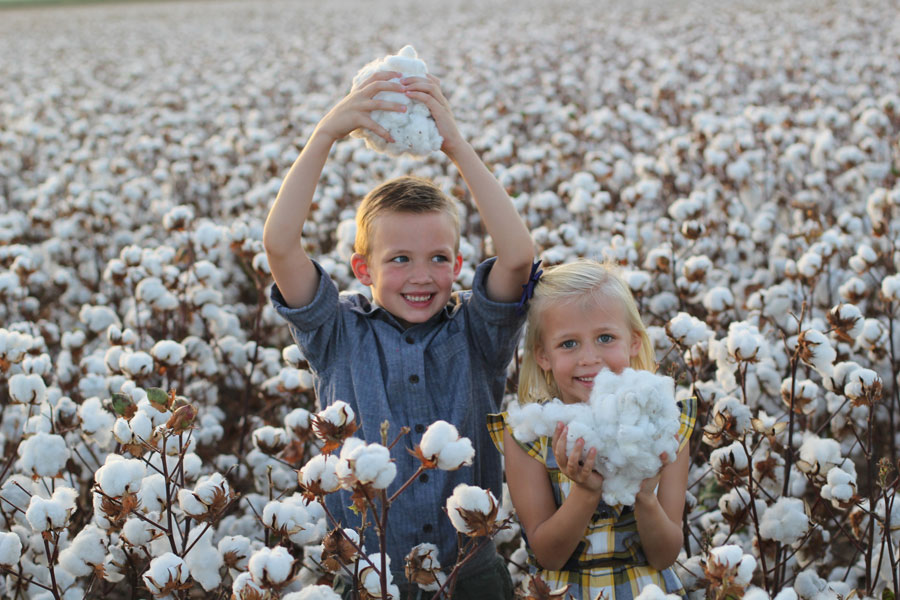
(512, 242)
(291, 267)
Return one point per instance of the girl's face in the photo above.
(580, 339)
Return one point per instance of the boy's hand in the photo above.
(354, 111)
(580, 471)
(427, 90)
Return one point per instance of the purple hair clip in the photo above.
(528, 287)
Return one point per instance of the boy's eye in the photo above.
(439, 258)
(400, 259)
(605, 338)
(568, 344)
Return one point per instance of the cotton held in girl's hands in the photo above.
(414, 131)
(631, 419)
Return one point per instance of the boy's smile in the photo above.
(412, 264)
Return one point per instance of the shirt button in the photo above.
(426, 527)
(414, 379)
(423, 477)
(420, 428)
(410, 340)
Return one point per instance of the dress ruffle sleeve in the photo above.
(496, 423)
(688, 420)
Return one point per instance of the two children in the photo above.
(416, 353)
(583, 319)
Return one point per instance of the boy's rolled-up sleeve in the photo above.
(494, 326)
(315, 326)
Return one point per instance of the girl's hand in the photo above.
(648, 486)
(427, 90)
(580, 471)
(354, 111)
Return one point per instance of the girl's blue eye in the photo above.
(400, 259)
(605, 338)
(568, 344)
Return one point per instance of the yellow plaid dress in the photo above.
(609, 563)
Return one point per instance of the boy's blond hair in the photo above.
(407, 194)
(590, 282)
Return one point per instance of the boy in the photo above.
(416, 354)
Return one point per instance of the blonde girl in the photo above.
(582, 319)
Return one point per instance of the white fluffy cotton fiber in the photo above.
(414, 131)
(631, 419)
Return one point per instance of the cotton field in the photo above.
(740, 161)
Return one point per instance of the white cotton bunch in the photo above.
(139, 532)
(718, 299)
(687, 330)
(425, 557)
(784, 521)
(98, 318)
(470, 499)
(43, 455)
(10, 548)
(732, 456)
(313, 592)
(136, 364)
(631, 419)
(816, 350)
(45, 514)
(365, 463)
(320, 474)
(841, 484)
(270, 566)
(338, 414)
(414, 131)
(862, 384)
(734, 410)
(210, 492)
(732, 558)
(165, 573)
(13, 346)
(442, 443)
(370, 577)
(270, 440)
(27, 389)
(168, 352)
(235, 551)
(204, 561)
(152, 493)
(744, 342)
(291, 519)
(120, 475)
(819, 455)
(293, 356)
(86, 552)
(654, 592)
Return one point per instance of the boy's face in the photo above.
(412, 264)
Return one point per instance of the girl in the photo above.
(581, 319)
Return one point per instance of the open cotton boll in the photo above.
(414, 131)
(44, 515)
(472, 509)
(85, 553)
(204, 562)
(119, 475)
(165, 573)
(733, 558)
(27, 389)
(319, 474)
(841, 486)
(785, 521)
(270, 565)
(687, 330)
(313, 592)
(43, 455)
(10, 548)
(819, 455)
(654, 592)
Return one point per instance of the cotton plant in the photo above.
(631, 419)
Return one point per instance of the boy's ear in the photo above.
(457, 265)
(360, 268)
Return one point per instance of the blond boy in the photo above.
(416, 353)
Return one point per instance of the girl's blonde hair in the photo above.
(590, 282)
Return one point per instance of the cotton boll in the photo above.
(654, 592)
(10, 548)
(43, 455)
(119, 475)
(819, 455)
(687, 330)
(27, 389)
(319, 474)
(165, 572)
(414, 131)
(785, 521)
(204, 562)
(313, 592)
(472, 510)
(841, 486)
(270, 565)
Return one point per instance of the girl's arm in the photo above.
(659, 513)
(553, 533)
(291, 267)
(512, 241)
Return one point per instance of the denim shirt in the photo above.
(451, 367)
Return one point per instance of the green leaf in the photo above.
(887, 595)
(158, 398)
(123, 405)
